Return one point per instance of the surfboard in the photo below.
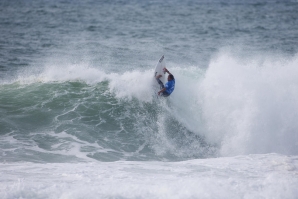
(159, 69)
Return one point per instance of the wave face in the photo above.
(92, 115)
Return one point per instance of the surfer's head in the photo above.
(170, 77)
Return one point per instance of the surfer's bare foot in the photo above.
(158, 76)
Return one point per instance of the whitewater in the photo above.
(79, 111)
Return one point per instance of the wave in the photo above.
(112, 116)
(235, 106)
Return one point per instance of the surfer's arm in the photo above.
(161, 91)
(166, 70)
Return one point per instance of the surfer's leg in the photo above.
(165, 94)
(160, 83)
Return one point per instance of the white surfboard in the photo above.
(159, 70)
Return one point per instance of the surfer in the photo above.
(169, 87)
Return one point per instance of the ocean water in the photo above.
(79, 111)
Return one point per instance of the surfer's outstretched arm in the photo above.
(166, 70)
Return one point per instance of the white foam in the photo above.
(253, 176)
(251, 106)
(242, 105)
(133, 84)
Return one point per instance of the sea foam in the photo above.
(251, 106)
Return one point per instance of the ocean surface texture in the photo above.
(79, 111)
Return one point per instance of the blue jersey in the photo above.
(170, 86)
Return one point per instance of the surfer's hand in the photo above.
(158, 76)
(167, 71)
